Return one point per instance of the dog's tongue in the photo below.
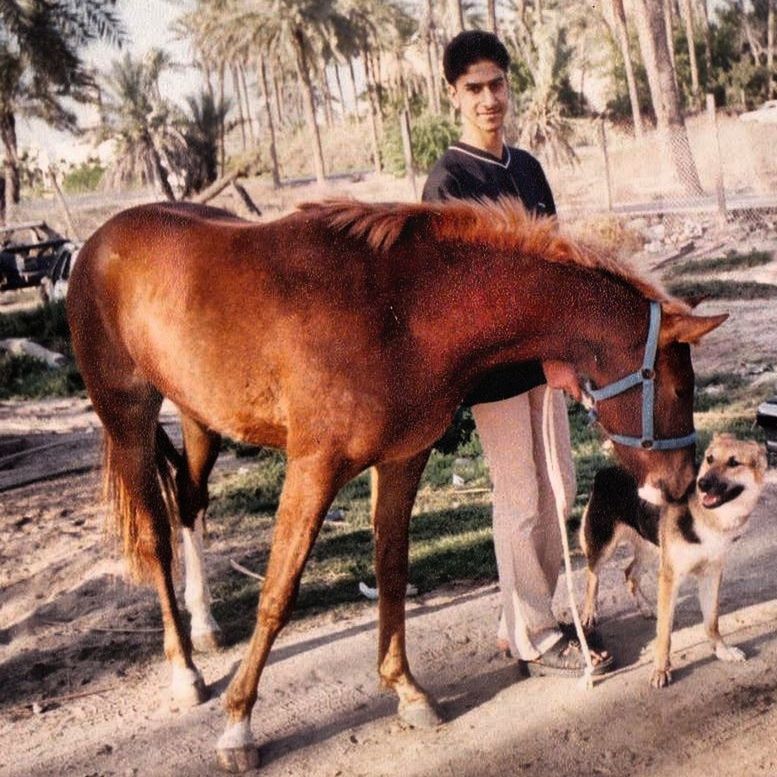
(711, 500)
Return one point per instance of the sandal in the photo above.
(565, 659)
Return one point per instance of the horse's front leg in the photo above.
(308, 490)
(394, 487)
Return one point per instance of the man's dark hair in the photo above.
(469, 47)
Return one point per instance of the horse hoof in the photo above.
(419, 714)
(208, 641)
(188, 688)
(237, 760)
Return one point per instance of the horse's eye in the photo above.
(710, 459)
(732, 462)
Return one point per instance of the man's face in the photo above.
(481, 95)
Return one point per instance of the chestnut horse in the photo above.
(346, 333)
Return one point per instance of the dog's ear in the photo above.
(694, 300)
(685, 328)
(562, 375)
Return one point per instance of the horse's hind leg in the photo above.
(136, 463)
(394, 488)
(201, 448)
(311, 484)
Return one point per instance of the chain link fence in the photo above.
(717, 169)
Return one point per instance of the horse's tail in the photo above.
(130, 524)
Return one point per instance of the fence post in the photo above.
(720, 191)
(407, 147)
(603, 136)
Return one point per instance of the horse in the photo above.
(346, 333)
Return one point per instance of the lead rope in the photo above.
(557, 484)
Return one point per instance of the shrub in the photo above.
(85, 177)
(430, 136)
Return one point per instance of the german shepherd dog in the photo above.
(692, 536)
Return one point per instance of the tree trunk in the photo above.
(340, 94)
(327, 99)
(277, 94)
(770, 49)
(457, 17)
(244, 82)
(352, 74)
(222, 143)
(669, 29)
(372, 111)
(689, 34)
(663, 92)
(623, 39)
(11, 165)
(276, 178)
(705, 24)
(308, 104)
(159, 169)
(431, 84)
(239, 98)
(491, 16)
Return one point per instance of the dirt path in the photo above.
(71, 627)
(320, 712)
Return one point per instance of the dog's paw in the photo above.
(728, 653)
(589, 620)
(661, 678)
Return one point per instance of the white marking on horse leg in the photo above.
(652, 494)
(205, 632)
(236, 736)
(187, 686)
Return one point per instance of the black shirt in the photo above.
(465, 172)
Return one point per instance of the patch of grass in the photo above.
(46, 325)
(718, 390)
(733, 261)
(718, 289)
(23, 377)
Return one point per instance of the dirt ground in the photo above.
(83, 686)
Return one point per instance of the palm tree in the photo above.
(201, 131)
(142, 123)
(40, 63)
(623, 39)
(663, 91)
(689, 34)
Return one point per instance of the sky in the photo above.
(147, 23)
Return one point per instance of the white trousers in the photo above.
(526, 532)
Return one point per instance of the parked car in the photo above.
(27, 253)
(766, 417)
(53, 286)
(763, 114)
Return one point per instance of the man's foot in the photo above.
(565, 657)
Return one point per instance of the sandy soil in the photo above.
(83, 686)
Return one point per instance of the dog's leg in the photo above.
(634, 577)
(668, 583)
(709, 588)
(590, 615)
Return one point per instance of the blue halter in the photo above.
(646, 376)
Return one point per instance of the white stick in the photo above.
(557, 484)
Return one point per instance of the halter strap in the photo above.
(646, 376)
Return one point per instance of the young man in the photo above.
(507, 405)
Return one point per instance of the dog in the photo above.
(692, 537)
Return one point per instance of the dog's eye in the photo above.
(732, 462)
(710, 459)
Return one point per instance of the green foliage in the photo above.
(46, 325)
(732, 261)
(717, 289)
(22, 377)
(85, 177)
(430, 136)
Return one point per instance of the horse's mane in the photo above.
(502, 224)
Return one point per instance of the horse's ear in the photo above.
(683, 328)
(562, 375)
